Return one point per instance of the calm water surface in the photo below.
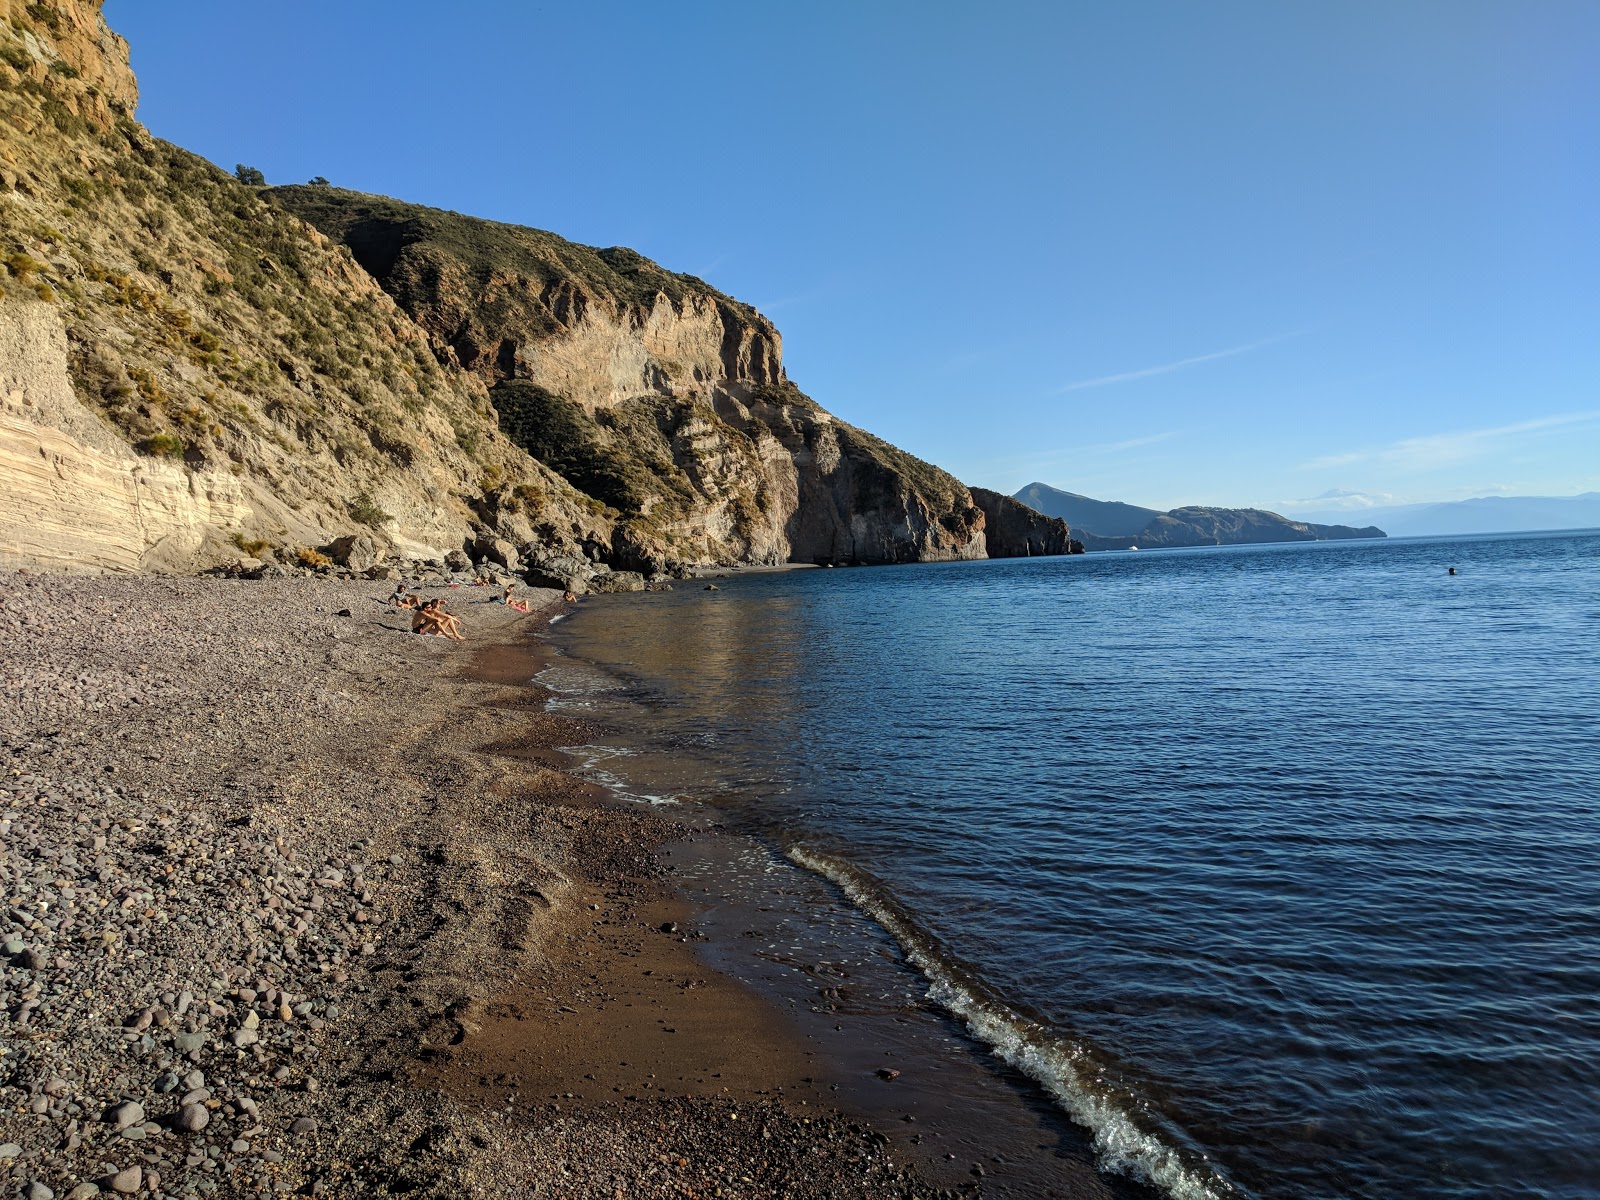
(1275, 866)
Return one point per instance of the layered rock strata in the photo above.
(240, 378)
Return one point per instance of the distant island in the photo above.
(1484, 514)
(1112, 525)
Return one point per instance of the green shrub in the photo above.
(563, 437)
(364, 510)
(161, 445)
(23, 266)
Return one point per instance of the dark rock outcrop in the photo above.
(1013, 530)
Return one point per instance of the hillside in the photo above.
(191, 370)
(1121, 525)
(1108, 518)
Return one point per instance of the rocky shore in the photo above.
(297, 902)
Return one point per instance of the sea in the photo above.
(1271, 871)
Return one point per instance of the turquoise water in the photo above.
(1275, 866)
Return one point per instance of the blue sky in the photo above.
(1165, 252)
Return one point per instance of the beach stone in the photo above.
(189, 1042)
(127, 1181)
(10, 1150)
(355, 551)
(457, 560)
(84, 1191)
(245, 1037)
(38, 1191)
(303, 1125)
(608, 582)
(252, 1020)
(496, 550)
(192, 1118)
(126, 1114)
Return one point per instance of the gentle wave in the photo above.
(1121, 1146)
(589, 767)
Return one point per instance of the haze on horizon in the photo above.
(1241, 253)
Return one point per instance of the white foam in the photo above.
(590, 758)
(1058, 1066)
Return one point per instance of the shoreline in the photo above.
(891, 1051)
(264, 957)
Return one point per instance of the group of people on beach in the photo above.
(431, 617)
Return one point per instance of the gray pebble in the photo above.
(124, 1115)
(303, 1125)
(38, 1191)
(127, 1181)
(194, 1117)
(10, 1150)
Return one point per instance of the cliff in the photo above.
(191, 368)
(652, 391)
(1013, 530)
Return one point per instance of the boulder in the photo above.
(497, 550)
(617, 581)
(563, 572)
(355, 551)
(457, 560)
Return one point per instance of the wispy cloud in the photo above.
(1448, 449)
(1132, 443)
(1341, 499)
(1168, 368)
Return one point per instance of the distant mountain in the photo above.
(1486, 514)
(1110, 525)
(1109, 518)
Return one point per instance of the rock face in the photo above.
(654, 393)
(1013, 530)
(239, 386)
(76, 495)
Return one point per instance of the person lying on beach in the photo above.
(505, 598)
(409, 600)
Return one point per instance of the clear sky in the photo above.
(1243, 252)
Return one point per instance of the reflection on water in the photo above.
(1290, 850)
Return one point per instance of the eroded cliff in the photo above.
(675, 392)
(428, 379)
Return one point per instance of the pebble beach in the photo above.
(272, 867)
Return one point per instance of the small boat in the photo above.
(1133, 547)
